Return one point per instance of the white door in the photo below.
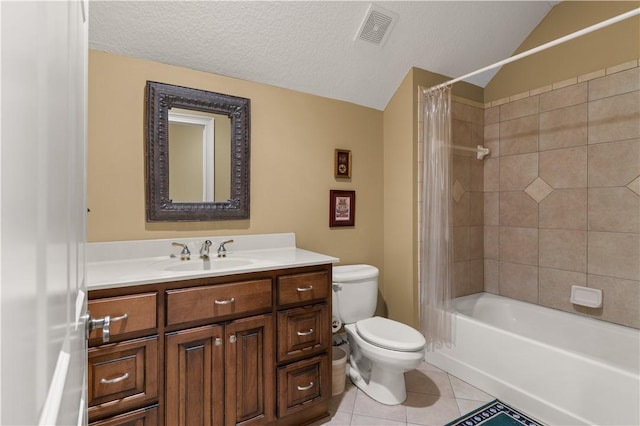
(43, 90)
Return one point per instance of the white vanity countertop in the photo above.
(128, 263)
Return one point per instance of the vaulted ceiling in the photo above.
(314, 46)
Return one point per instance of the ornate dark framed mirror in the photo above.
(197, 154)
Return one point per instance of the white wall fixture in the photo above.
(584, 296)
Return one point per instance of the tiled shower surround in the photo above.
(557, 202)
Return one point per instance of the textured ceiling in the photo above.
(309, 46)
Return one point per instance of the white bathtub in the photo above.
(561, 368)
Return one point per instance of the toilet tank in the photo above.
(355, 291)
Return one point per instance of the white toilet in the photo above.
(382, 350)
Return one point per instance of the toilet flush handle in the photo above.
(336, 286)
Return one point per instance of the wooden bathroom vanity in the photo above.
(248, 348)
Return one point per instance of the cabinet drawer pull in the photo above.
(104, 324)
(120, 318)
(301, 289)
(224, 302)
(218, 341)
(305, 333)
(104, 381)
(304, 388)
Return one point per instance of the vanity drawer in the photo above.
(305, 287)
(303, 331)
(144, 417)
(122, 376)
(216, 301)
(128, 314)
(301, 384)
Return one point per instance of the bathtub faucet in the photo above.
(222, 251)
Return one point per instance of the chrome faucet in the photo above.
(204, 250)
(185, 254)
(222, 251)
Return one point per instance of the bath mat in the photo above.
(495, 413)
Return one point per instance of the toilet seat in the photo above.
(390, 334)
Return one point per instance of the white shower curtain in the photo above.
(436, 241)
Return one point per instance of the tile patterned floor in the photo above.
(434, 398)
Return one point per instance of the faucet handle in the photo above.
(222, 251)
(185, 254)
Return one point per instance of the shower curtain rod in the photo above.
(545, 46)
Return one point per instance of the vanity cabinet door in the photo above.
(250, 381)
(194, 365)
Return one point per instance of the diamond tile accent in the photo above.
(458, 191)
(538, 189)
(635, 185)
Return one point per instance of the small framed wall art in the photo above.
(342, 166)
(342, 208)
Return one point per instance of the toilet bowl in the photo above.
(382, 350)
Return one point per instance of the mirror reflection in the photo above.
(197, 154)
(199, 138)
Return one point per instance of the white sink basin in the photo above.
(213, 264)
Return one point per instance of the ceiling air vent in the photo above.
(377, 25)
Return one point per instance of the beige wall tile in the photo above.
(460, 243)
(491, 115)
(491, 276)
(491, 132)
(615, 84)
(461, 171)
(564, 209)
(491, 208)
(620, 300)
(477, 135)
(517, 171)
(519, 108)
(490, 242)
(476, 242)
(555, 288)
(476, 208)
(538, 190)
(563, 127)
(462, 211)
(476, 175)
(476, 275)
(614, 209)
(461, 136)
(614, 163)
(518, 245)
(614, 254)
(615, 118)
(517, 209)
(519, 281)
(621, 67)
(491, 170)
(563, 249)
(564, 168)
(561, 98)
(461, 283)
(519, 136)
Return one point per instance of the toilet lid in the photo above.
(390, 334)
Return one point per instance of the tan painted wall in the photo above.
(400, 291)
(292, 149)
(603, 48)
